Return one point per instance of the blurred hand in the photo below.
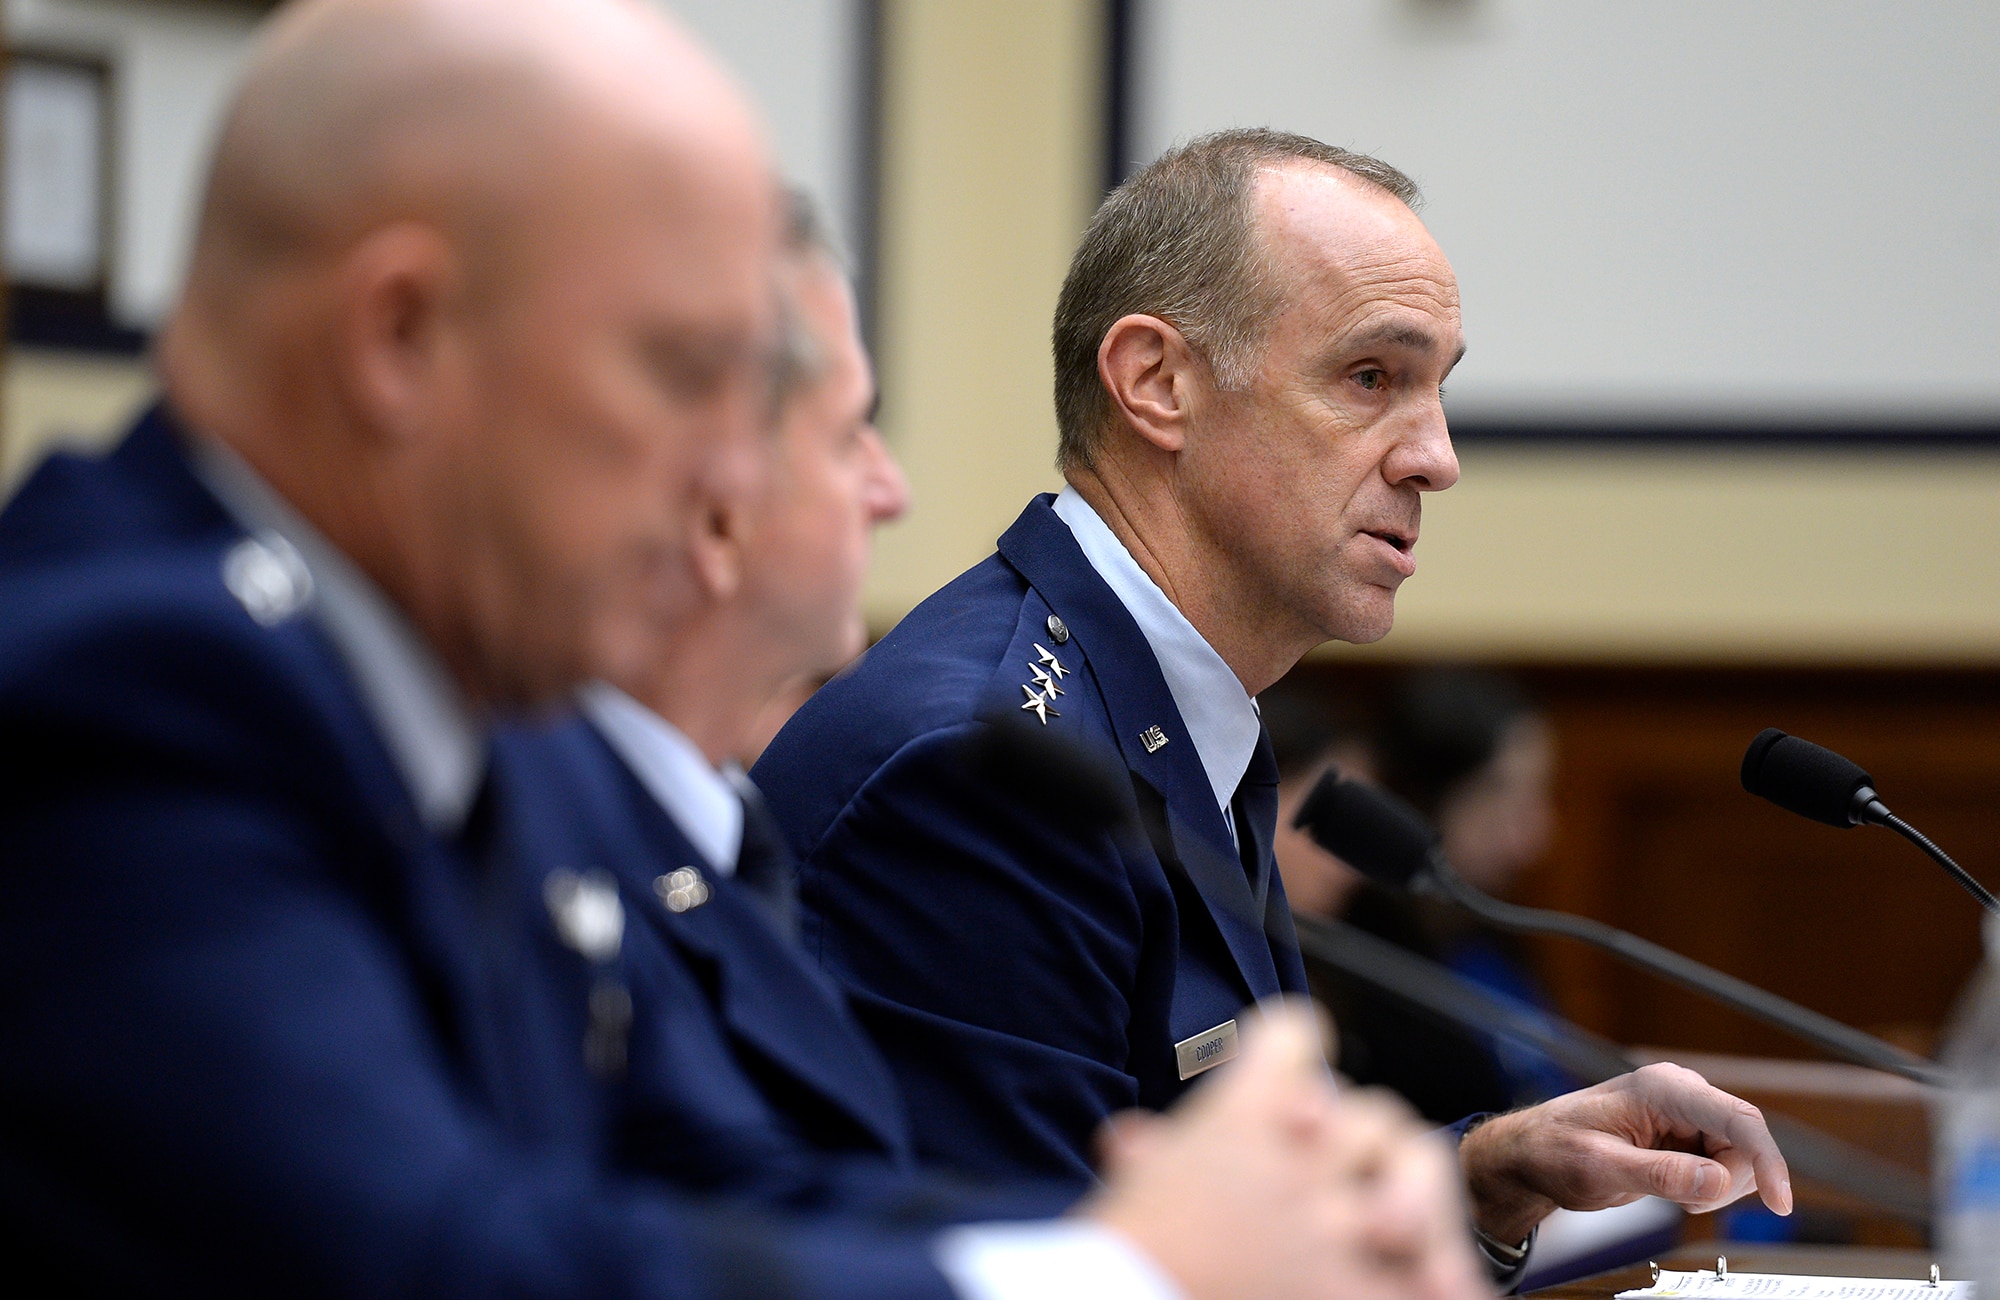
(1266, 1182)
(1660, 1131)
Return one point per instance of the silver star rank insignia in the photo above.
(1038, 704)
(1046, 682)
(1054, 664)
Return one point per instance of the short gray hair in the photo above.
(1178, 241)
(801, 357)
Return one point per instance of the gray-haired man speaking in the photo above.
(1250, 351)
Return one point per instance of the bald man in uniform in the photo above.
(481, 300)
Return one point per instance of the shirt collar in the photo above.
(702, 801)
(433, 736)
(1221, 717)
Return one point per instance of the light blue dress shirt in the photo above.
(433, 735)
(701, 800)
(1221, 717)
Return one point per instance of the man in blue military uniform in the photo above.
(482, 292)
(1250, 351)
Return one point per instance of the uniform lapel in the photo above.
(422, 886)
(1105, 641)
(771, 1000)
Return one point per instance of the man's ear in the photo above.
(395, 349)
(1150, 372)
(715, 550)
(723, 514)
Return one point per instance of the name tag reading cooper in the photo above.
(1207, 1049)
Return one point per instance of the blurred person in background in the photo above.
(1313, 731)
(1471, 753)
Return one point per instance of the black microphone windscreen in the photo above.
(1370, 829)
(1802, 777)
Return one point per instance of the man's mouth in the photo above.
(1402, 541)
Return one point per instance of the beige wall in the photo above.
(989, 174)
(1574, 552)
(1805, 556)
(990, 167)
(62, 398)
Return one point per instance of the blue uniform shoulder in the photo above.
(928, 674)
(76, 505)
(123, 640)
(150, 665)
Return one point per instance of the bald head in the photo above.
(358, 111)
(482, 286)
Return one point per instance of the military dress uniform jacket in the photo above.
(735, 1066)
(1024, 980)
(262, 1031)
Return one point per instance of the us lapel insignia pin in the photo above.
(1206, 1050)
(1038, 704)
(1153, 739)
(1058, 630)
(681, 889)
(587, 913)
(1053, 664)
(269, 579)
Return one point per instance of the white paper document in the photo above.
(1781, 1286)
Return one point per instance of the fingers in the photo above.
(1687, 1101)
(1291, 1172)
(1280, 1079)
(1371, 1125)
(1427, 1243)
(1290, 1031)
(1695, 1183)
(1773, 1176)
(1401, 1203)
(1127, 1137)
(1402, 1191)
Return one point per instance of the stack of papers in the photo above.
(1706, 1284)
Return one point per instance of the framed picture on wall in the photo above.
(56, 151)
(59, 151)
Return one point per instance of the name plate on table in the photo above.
(1206, 1050)
(1711, 1284)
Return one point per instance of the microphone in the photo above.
(1368, 828)
(1392, 844)
(1815, 782)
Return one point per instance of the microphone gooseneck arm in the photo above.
(1822, 1031)
(1448, 998)
(1391, 843)
(1875, 813)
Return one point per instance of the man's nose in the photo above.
(1425, 459)
(889, 490)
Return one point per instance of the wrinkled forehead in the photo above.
(1334, 240)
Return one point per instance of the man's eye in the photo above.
(1371, 379)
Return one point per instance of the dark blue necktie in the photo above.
(764, 863)
(1256, 810)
